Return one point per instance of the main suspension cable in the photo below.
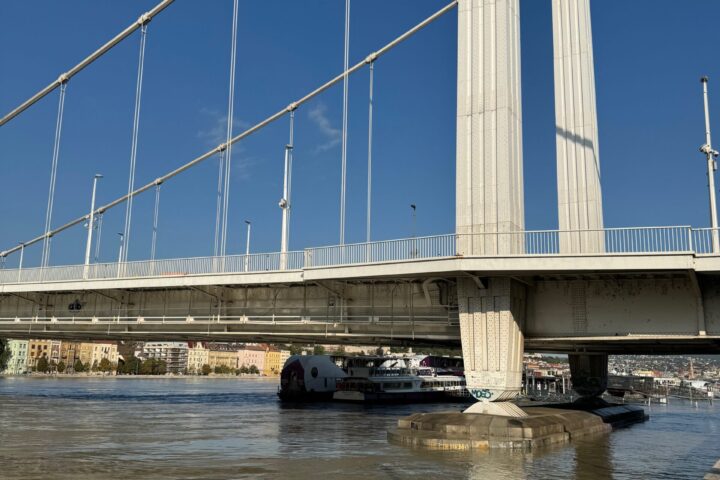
(87, 61)
(45, 260)
(258, 126)
(134, 142)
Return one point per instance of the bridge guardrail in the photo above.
(626, 240)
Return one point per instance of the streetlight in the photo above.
(414, 218)
(414, 232)
(91, 220)
(247, 244)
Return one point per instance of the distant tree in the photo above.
(340, 350)
(253, 369)
(379, 351)
(244, 369)
(131, 366)
(42, 365)
(152, 366)
(295, 349)
(78, 366)
(217, 369)
(4, 355)
(86, 367)
(94, 367)
(61, 367)
(318, 350)
(206, 369)
(105, 365)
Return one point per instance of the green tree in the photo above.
(105, 366)
(94, 367)
(206, 369)
(86, 367)
(78, 366)
(5, 355)
(42, 365)
(152, 366)
(244, 369)
(318, 350)
(61, 367)
(295, 349)
(253, 369)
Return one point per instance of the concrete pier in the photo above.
(541, 427)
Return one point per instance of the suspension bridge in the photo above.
(491, 285)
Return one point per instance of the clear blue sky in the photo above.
(649, 55)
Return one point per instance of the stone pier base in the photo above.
(543, 426)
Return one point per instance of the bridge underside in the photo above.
(675, 309)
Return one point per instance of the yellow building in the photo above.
(38, 349)
(69, 353)
(86, 354)
(219, 355)
(273, 362)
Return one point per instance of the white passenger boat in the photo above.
(418, 378)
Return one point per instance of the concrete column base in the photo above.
(492, 338)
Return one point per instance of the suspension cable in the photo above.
(53, 176)
(156, 214)
(288, 180)
(369, 152)
(258, 126)
(228, 137)
(343, 172)
(99, 237)
(219, 203)
(134, 143)
(87, 61)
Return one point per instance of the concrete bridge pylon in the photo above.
(489, 175)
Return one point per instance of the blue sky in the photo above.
(649, 55)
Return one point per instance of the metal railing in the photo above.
(608, 241)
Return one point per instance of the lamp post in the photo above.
(247, 244)
(91, 220)
(414, 229)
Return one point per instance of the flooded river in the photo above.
(205, 428)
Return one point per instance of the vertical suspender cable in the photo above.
(285, 202)
(218, 206)
(156, 214)
(291, 148)
(343, 174)
(369, 153)
(99, 236)
(53, 174)
(228, 150)
(133, 147)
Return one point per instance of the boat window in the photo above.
(314, 372)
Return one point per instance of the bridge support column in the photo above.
(489, 180)
(491, 322)
(578, 164)
(589, 373)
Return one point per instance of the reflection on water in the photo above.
(200, 428)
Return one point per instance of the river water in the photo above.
(206, 428)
